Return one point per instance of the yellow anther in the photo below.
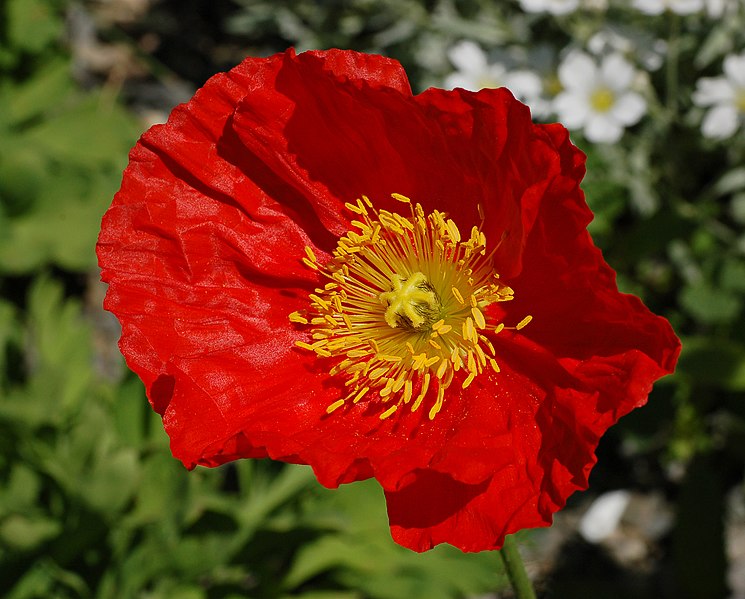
(472, 363)
(360, 394)
(401, 198)
(524, 322)
(297, 317)
(458, 296)
(354, 208)
(499, 328)
(478, 318)
(310, 264)
(468, 380)
(335, 406)
(431, 361)
(408, 386)
(320, 302)
(377, 373)
(387, 358)
(438, 403)
(453, 230)
(388, 412)
(310, 254)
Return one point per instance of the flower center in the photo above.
(740, 101)
(602, 99)
(403, 311)
(412, 303)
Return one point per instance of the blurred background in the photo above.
(91, 503)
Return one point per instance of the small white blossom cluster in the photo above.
(605, 89)
(725, 99)
(596, 97)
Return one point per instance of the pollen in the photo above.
(404, 310)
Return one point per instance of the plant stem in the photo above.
(515, 568)
(671, 70)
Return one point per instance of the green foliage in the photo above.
(92, 503)
(61, 150)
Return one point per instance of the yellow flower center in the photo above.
(740, 101)
(602, 99)
(404, 308)
(411, 303)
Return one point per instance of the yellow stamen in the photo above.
(334, 406)
(392, 316)
(524, 322)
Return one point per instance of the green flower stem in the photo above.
(671, 70)
(513, 564)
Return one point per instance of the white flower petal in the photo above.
(686, 7)
(715, 8)
(572, 109)
(468, 57)
(734, 68)
(524, 84)
(713, 90)
(720, 122)
(604, 515)
(578, 72)
(650, 7)
(465, 80)
(533, 5)
(616, 71)
(540, 108)
(562, 7)
(601, 128)
(628, 108)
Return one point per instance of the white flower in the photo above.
(649, 51)
(555, 7)
(726, 97)
(717, 8)
(604, 515)
(475, 72)
(657, 7)
(598, 99)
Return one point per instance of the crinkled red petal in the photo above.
(202, 250)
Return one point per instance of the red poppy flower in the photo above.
(312, 264)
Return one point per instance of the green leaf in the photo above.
(358, 553)
(23, 172)
(25, 533)
(96, 132)
(68, 200)
(731, 181)
(111, 483)
(710, 305)
(44, 92)
(32, 24)
(713, 362)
